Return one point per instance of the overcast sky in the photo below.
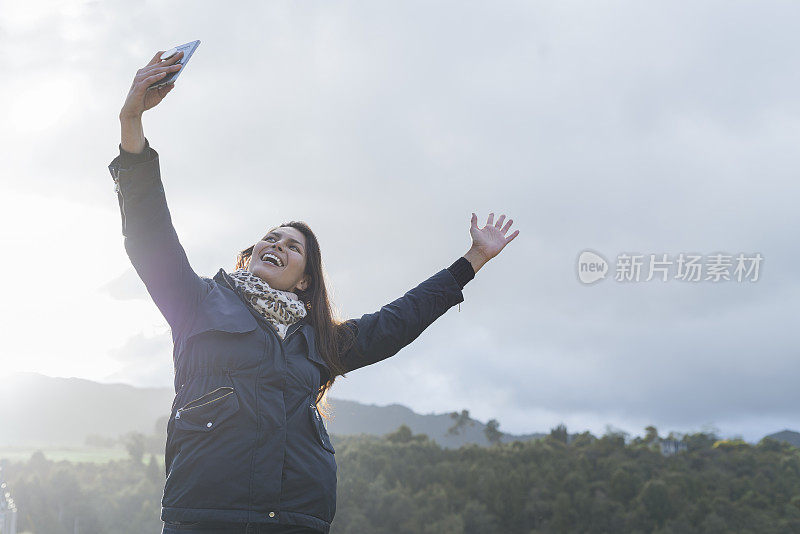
(619, 127)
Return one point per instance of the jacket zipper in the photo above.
(119, 194)
(288, 333)
(188, 406)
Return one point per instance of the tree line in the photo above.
(406, 483)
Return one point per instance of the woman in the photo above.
(256, 350)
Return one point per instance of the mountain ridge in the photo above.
(41, 410)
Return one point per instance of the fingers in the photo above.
(498, 224)
(175, 58)
(143, 85)
(511, 237)
(156, 58)
(152, 66)
(155, 71)
(167, 68)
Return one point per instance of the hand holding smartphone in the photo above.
(155, 80)
(187, 49)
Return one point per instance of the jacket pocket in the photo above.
(212, 403)
(319, 428)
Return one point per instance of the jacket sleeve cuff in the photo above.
(129, 159)
(462, 271)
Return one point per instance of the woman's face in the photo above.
(289, 246)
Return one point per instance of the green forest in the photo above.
(405, 483)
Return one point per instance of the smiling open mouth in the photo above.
(269, 257)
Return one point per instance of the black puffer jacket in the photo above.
(245, 441)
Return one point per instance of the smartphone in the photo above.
(187, 49)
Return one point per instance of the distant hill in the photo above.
(43, 410)
(40, 410)
(350, 417)
(789, 436)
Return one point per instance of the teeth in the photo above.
(273, 256)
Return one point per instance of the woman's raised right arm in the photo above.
(150, 239)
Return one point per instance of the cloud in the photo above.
(145, 361)
(126, 286)
(638, 128)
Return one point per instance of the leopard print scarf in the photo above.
(281, 308)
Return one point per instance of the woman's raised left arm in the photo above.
(382, 334)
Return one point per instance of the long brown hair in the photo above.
(333, 338)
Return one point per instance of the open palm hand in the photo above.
(491, 239)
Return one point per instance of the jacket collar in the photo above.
(226, 280)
